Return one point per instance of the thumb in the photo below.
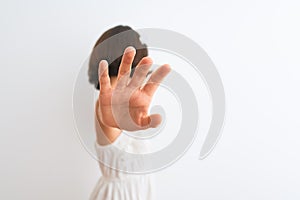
(151, 121)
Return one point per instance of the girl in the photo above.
(123, 104)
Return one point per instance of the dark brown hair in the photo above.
(110, 46)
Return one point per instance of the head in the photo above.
(112, 50)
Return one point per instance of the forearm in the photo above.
(105, 135)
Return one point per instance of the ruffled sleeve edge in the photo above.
(108, 146)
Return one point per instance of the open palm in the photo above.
(126, 105)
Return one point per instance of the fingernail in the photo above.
(129, 49)
(102, 66)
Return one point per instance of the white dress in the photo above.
(116, 185)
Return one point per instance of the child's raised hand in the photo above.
(126, 105)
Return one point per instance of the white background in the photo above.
(255, 45)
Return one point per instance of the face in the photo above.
(113, 81)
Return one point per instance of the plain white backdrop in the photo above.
(254, 44)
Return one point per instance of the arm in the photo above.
(104, 134)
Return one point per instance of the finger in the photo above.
(127, 59)
(151, 121)
(141, 72)
(104, 79)
(155, 79)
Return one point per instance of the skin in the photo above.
(123, 103)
